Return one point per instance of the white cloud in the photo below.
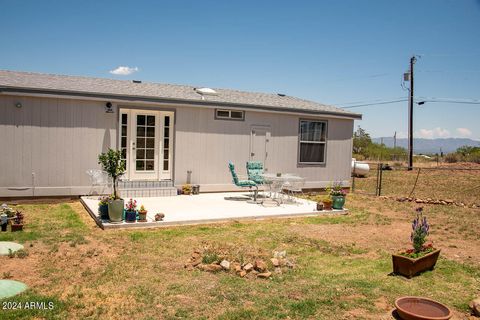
(464, 132)
(433, 133)
(123, 70)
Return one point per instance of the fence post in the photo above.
(378, 177)
(380, 180)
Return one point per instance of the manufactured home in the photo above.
(52, 128)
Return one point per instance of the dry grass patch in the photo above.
(342, 266)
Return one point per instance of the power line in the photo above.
(375, 104)
(450, 100)
(366, 101)
(419, 99)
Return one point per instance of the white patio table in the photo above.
(278, 182)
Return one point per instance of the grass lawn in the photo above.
(342, 265)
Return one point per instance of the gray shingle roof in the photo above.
(124, 88)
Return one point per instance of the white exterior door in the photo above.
(146, 140)
(259, 139)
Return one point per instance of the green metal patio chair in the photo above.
(243, 183)
(255, 171)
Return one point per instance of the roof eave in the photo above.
(11, 89)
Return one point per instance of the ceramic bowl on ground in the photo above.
(418, 308)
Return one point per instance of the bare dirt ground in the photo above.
(393, 237)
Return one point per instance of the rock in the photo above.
(196, 255)
(275, 262)
(242, 273)
(236, 266)
(289, 264)
(260, 265)
(475, 306)
(188, 266)
(278, 270)
(419, 201)
(264, 275)
(449, 201)
(443, 202)
(211, 267)
(225, 265)
(279, 254)
(248, 267)
(196, 262)
(402, 199)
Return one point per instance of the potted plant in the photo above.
(319, 201)
(17, 223)
(187, 189)
(131, 211)
(4, 221)
(142, 214)
(113, 164)
(327, 202)
(422, 256)
(103, 207)
(338, 196)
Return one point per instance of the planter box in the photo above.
(409, 267)
(16, 227)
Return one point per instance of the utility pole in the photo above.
(410, 116)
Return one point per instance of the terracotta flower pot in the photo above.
(327, 206)
(142, 216)
(409, 267)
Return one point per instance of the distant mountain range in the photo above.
(430, 145)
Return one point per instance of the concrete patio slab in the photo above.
(207, 208)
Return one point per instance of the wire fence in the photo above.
(444, 184)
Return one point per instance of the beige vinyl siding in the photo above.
(59, 139)
(51, 142)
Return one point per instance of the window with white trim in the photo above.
(312, 142)
(226, 114)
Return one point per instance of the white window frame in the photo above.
(229, 117)
(300, 141)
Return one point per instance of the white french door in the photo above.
(146, 141)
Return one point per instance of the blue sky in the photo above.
(333, 52)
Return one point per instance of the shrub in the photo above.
(113, 164)
(452, 158)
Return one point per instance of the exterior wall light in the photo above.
(108, 107)
(18, 104)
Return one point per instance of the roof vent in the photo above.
(281, 94)
(206, 91)
(137, 81)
